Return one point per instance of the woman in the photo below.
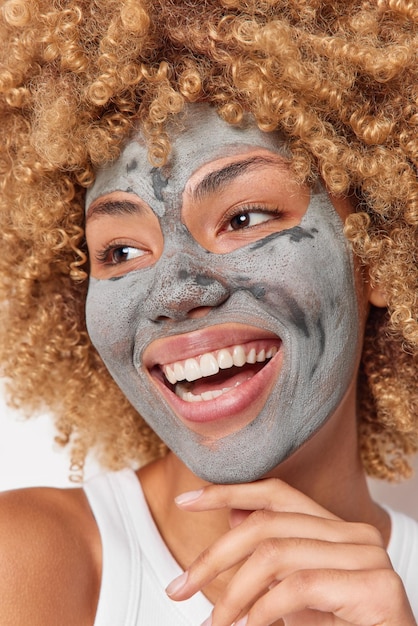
(225, 148)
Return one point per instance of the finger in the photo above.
(237, 516)
(271, 494)
(275, 560)
(312, 618)
(240, 542)
(361, 598)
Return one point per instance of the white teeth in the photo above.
(207, 367)
(271, 352)
(261, 356)
(170, 375)
(191, 370)
(182, 390)
(188, 396)
(211, 395)
(210, 363)
(225, 360)
(239, 357)
(252, 356)
(179, 371)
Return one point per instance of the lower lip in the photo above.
(250, 394)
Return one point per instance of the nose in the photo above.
(183, 291)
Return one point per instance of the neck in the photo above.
(327, 469)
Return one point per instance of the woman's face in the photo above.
(222, 296)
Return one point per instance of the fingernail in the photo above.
(207, 622)
(242, 622)
(176, 584)
(188, 496)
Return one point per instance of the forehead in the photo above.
(198, 137)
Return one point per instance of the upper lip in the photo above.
(193, 344)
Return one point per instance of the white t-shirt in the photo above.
(137, 565)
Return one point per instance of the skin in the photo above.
(309, 525)
(138, 310)
(321, 574)
(50, 558)
(313, 530)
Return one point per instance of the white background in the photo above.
(29, 457)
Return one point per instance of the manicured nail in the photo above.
(188, 496)
(176, 585)
(242, 622)
(207, 622)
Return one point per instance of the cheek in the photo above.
(308, 288)
(113, 313)
(289, 279)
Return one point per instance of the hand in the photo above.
(300, 563)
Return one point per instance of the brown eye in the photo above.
(251, 218)
(120, 254)
(240, 221)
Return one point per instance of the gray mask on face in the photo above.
(296, 283)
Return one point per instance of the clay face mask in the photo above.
(290, 294)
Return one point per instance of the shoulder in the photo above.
(403, 553)
(50, 560)
(403, 544)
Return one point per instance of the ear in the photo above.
(377, 297)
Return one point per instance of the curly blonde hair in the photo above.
(338, 77)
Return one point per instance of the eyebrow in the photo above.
(217, 180)
(113, 207)
(212, 182)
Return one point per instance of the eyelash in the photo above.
(253, 208)
(102, 255)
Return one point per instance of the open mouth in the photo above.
(213, 374)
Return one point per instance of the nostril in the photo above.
(196, 313)
(199, 311)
